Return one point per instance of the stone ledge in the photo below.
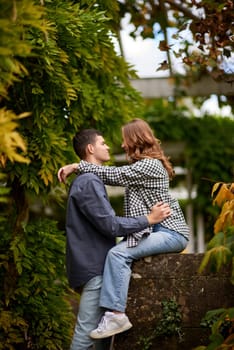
(173, 276)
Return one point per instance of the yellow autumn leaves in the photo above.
(220, 248)
(12, 145)
(223, 196)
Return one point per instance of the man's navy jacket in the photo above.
(92, 228)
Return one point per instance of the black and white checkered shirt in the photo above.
(146, 182)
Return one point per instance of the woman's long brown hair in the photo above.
(140, 143)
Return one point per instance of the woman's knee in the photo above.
(118, 252)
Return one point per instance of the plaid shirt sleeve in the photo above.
(126, 176)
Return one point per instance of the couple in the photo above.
(154, 224)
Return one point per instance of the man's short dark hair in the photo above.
(84, 138)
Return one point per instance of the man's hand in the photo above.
(158, 213)
(66, 170)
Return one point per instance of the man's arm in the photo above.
(158, 213)
(94, 204)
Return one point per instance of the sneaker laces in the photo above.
(102, 324)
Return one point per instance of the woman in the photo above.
(146, 181)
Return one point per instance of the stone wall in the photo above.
(173, 276)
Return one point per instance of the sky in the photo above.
(145, 57)
(142, 54)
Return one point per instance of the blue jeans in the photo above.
(117, 271)
(88, 317)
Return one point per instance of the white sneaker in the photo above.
(111, 324)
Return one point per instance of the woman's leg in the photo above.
(117, 271)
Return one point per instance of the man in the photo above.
(91, 228)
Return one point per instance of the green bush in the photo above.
(219, 253)
(34, 311)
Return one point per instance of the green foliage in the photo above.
(70, 78)
(59, 65)
(15, 19)
(34, 310)
(211, 135)
(74, 80)
(4, 191)
(220, 252)
(169, 325)
(221, 323)
(162, 114)
(145, 342)
(220, 249)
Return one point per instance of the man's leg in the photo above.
(89, 315)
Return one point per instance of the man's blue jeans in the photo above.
(88, 317)
(117, 271)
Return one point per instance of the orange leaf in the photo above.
(226, 217)
(225, 193)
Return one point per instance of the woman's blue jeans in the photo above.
(117, 271)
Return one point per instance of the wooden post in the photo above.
(112, 342)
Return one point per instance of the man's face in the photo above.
(101, 150)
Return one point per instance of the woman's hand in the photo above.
(66, 170)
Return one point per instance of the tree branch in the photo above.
(183, 9)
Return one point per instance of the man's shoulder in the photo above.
(86, 177)
(87, 183)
